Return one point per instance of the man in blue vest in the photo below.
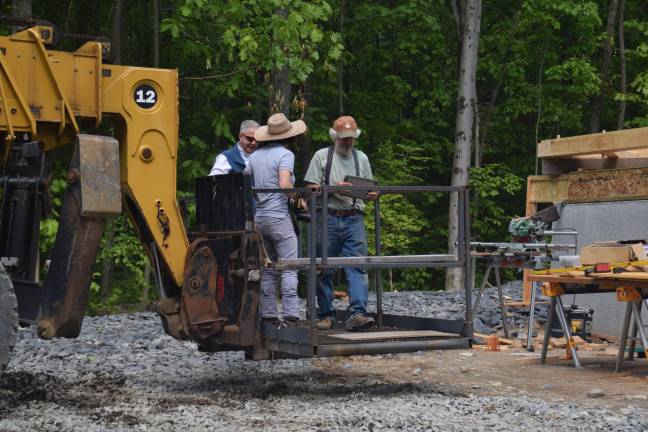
(236, 158)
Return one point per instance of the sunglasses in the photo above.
(249, 138)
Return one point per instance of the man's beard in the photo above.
(342, 148)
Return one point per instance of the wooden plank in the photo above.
(502, 341)
(603, 283)
(628, 139)
(547, 189)
(627, 276)
(367, 336)
(530, 209)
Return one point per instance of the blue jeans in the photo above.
(346, 238)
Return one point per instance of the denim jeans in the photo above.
(346, 238)
(279, 241)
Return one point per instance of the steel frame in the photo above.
(304, 342)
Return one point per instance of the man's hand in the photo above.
(372, 195)
(343, 183)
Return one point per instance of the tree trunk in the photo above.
(305, 149)
(595, 120)
(115, 45)
(465, 126)
(21, 9)
(108, 264)
(458, 14)
(340, 70)
(147, 283)
(622, 61)
(279, 90)
(156, 34)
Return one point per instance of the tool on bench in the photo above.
(599, 268)
(513, 255)
(612, 266)
(635, 300)
(536, 228)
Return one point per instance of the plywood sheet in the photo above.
(608, 185)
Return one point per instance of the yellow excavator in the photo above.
(207, 279)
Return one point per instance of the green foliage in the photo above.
(129, 261)
(491, 184)
(538, 74)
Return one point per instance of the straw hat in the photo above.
(279, 128)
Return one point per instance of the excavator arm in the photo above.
(47, 98)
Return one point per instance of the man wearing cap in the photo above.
(272, 167)
(345, 231)
(237, 158)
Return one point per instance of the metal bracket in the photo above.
(628, 294)
(552, 289)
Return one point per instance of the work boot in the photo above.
(325, 323)
(273, 321)
(291, 321)
(359, 322)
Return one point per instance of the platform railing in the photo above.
(312, 263)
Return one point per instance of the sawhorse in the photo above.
(492, 265)
(556, 308)
(634, 297)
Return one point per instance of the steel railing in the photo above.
(312, 263)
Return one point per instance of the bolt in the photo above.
(14, 110)
(254, 275)
(194, 283)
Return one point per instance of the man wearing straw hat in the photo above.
(272, 167)
(345, 231)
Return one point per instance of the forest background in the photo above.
(545, 68)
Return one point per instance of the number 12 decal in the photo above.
(145, 96)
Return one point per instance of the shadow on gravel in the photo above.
(21, 387)
(314, 385)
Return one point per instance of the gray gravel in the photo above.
(452, 306)
(123, 373)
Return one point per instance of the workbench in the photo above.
(630, 287)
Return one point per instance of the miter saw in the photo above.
(531, 229)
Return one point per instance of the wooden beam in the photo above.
(627, 139)
(531, 208)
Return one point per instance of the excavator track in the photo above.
(8, 318)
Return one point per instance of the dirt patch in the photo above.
(17, 388)
(505, 373)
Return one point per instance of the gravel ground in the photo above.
(123, 373)
(451, 306)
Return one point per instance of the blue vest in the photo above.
(235, 159)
